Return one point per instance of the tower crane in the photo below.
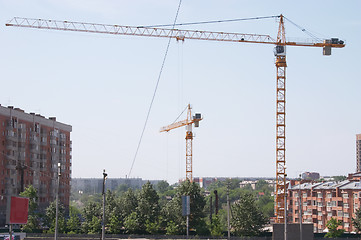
(188, 122)
(280, 43)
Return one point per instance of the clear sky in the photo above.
(102, 86)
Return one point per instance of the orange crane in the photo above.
(280, 53)
(188, 122)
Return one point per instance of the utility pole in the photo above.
(210, 209)
(57, 203)
(103, 193)
(299, 190)
(228, 213)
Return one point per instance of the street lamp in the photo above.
(57, 203)
(105, 175)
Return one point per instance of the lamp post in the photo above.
(57, 203)
(105, 175)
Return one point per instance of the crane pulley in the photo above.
(280, 53)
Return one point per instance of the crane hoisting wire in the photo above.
(154, 93)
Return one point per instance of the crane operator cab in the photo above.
(280, 50)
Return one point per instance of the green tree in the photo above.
(339, 178)
(33, 216)
(174, 223)
(197, 201)
(162, 186)
(216, 227)
(90, 211)
(148, 209)
(95, 225)
(73, 223)
(50, 217)
(356, 222)
(332, 226)
(131, 224)
(248, 219)
(129, 203)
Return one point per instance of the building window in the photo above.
(319, 213)
(345, 195)
(295, 194)
(346, 225)
(329, 214)
(319, 195)
(304, 195)
(329, 195)
(339, 213)
(320, 222)
(345, 205)
(346, 215)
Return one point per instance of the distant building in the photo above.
(325, 200)
(31, 147)
(310, 175)
(204, 182)
(95, 185)
(358, 152)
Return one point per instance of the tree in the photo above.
(131, 223)
(148, 209)
(162, 186)
(356, 222)
(90, 211)
(50, 217)
(332, 226)
(73, 223)
(248, 219)
(33, 216)
(172, 215)
(129, 203)
(197, 201)
(339, 178)
(216, 227)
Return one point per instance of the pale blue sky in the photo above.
(102, 86)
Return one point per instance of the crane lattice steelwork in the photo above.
(188, 122)
(280, 53)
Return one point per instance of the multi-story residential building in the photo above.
(358, 152)
(31, 147)
(95, 185)
(319, 202)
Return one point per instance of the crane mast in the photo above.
(280, 54)
(188, 123)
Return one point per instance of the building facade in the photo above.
(95, 185)
(31, 148)
(358, 152)
(319, 202)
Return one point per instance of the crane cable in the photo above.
(208, 22)
(303, 29)
(155, 91)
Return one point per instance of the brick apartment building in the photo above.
(31, 146)
(321, 201)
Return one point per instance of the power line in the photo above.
(155, 91)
